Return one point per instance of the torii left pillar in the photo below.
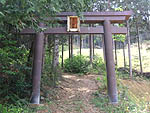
(37, 67)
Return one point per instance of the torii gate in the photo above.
(106, 18)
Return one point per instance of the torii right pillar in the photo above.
(110, 65)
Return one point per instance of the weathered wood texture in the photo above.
(95, 17)
(110, 65)
(83, 30)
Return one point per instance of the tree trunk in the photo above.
(29, 61)
(30, 53)
(56, 68)
(140, 59)
(78, 40)
(129, 51)
(80, 44)
(71, 46)
(50, 49)
(108, 5)
(56, 54)
(93, 46)
(116, 52)
(43, 56)
(62, 62)
(124, 56)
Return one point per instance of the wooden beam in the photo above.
(97, 19)
(94, 17)
(83, 30)
(94, 14)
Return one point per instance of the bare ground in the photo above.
(74, 94)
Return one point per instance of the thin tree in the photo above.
(62, 62)
(139, 49)
(91, 47)
(80, 44)
(55, 54)
(116, 52)
(103, 44)
(69, 46)
(129, 51)
(124, 55)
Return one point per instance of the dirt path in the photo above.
(74, 95)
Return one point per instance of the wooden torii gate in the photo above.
(106, 18)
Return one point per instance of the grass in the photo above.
(129, 100)
(134, 55)
(128, 103)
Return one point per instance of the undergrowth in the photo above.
(127, 102)
(76, 64)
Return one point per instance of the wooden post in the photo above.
(37, 67)
(110, 65)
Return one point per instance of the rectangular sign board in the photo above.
(73, 24)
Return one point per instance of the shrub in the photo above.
(50, 75)
(99, 65)
(100, 68)
(77, 64)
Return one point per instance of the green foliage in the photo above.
(13, 70)
(119, 37)
(3, 109)
(50, 76)
(99, 65)
(15, 83)
(126, 103)
(77, 64)
(119, 8)
(21, 109)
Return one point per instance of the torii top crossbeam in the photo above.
(96, 17)
(88, 18)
